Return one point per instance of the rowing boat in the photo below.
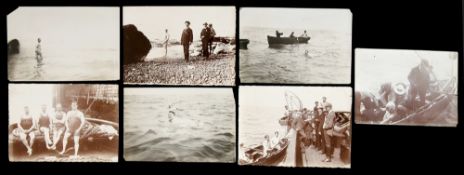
(256, 154)
(272, 40)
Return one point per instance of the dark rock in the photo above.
(136, 44)
(13, 47)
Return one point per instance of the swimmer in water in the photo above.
(171, 113)
(74, 122)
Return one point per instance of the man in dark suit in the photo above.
(187, 39)
(205, 36)
(419, 81)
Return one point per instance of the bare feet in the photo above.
(29, 151)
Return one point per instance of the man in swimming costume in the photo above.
(166, 41)
(171, 113)
(38, 52)
(74, 122)
(58, 124)
(45, 124)
(26, 127)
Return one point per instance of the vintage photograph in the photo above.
(406, 87)
(63, 123)
(295, 126)
(179, 125)
(193, 46)
(295, 45)
(63, 44)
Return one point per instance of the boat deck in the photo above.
(313, 158)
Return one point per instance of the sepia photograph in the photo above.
(63, 44)
(179, 125)
(295, 126)
(63, 123)
(193, 46)
(406, 87)
(295, 45)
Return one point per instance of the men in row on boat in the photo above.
(278, 34)
(57, 123)
(292, 34)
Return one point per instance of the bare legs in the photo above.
(23, 137)
(46, 132)
(56, 137)
(76, 143)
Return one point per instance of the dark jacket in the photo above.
(187, 36)
(205, 34)
(419, 78)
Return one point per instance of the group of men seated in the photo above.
(395, 101)
(46, 123)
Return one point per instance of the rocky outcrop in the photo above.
(13, 47)
(136, 44)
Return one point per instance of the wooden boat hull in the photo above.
(244, 43)
(271, 160)
(287, 40)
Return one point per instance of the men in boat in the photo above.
(275, 141)
(45, 124)
(58, 124)
(74, 122)
(371, 103)
(26, 127)
(278, 34)
(205, 37)
(419, 82)
(212, 35)
(38, 52)
(186, 40)
(328, 132)
(166, 42)
(304, 34)
(390, 92)
(267, 148)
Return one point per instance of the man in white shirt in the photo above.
(275, 141)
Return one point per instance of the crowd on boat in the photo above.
(52, 125)
(395, 101)
(321, 128)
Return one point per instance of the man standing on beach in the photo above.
(166, 40)
(205, 37)
(187, 39)
(212, 35)
(75, 120)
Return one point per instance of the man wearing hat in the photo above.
(212, 35)
(328, 132)
(419, 81)
(205, 36)
(186, 39)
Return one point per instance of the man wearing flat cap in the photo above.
(205, 36)
(187, 39)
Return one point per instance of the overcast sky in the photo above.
(93, 27)
(376, 66)
(152, 21)
(297, 18)
(31, 95)
(267, 96)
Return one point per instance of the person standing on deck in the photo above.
(419, 81)
(324, 103)
(318, 120)
(58, 125)
(328, 132)
(205, 37)
(45, 124)
(278, 34)
(166, 42)
(75, 120)
(212, 35)
(26, 127)
(267, 148)
(186, 40)
(38, 52)
(304, 34)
